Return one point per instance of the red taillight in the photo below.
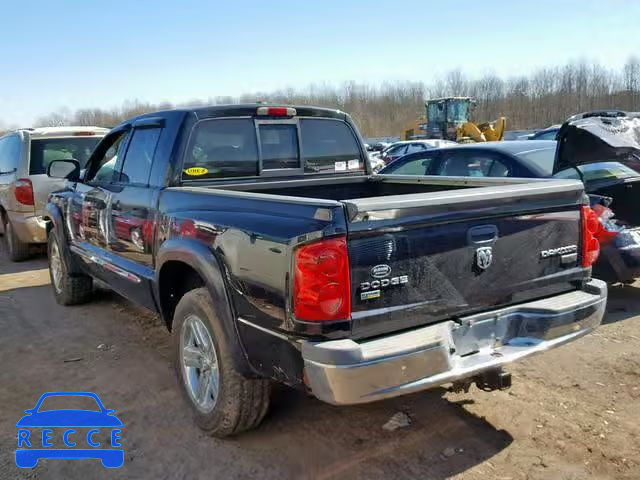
(276, 111)
(590, 245)
(84, 134)
(608, 229)
(321, 285)
(24, 191)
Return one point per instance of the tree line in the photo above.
(544, 97)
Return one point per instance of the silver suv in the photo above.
(24, 185)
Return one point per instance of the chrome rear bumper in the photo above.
(346, 372)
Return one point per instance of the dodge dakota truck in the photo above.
(260, 236)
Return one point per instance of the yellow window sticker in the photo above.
(196, 171)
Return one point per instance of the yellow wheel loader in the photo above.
(448, 118)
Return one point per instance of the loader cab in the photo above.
(445, 115)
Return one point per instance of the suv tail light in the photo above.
(321, 281)
(24, 191)
(590, 245)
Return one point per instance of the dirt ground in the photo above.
(572, 413)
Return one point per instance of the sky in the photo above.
(81, 54)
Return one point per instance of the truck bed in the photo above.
(427, 232)
(348, 188)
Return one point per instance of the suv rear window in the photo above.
(45, 151)
(221, 148)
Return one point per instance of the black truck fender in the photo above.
(184, 253)
(55, 223)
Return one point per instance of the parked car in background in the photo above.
(273, 255)
(612, 113)
(618, 183)
(490, 159)
(380, 146)
(24, 185)
(399, 149)
(376, 162)
(546, 134)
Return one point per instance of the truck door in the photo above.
(132, 213)
(88, 222)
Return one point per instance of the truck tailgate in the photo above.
(420, 258)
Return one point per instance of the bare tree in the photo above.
(546, 96)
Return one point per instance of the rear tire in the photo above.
(16, 248)
(240, 403)
(67, 289)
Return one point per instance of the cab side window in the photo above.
(102, 168)
(139, 157)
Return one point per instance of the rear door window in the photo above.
(473, 164)
(414, 148)
(139, 157)
(543, 158)
(46, 150)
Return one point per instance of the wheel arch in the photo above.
(185, 264)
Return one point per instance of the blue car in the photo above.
(29, 452)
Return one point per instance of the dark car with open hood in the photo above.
(601, 151)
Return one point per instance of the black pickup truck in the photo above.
(261, 237)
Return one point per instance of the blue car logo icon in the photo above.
(31, 447)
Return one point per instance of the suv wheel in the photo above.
(67, 289)
(223, 401)
(16, 248)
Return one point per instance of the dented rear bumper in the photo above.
(348, 372)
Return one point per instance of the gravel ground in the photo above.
(572, 413)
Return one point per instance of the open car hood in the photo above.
(598, 139)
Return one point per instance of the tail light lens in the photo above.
(608, 228)
(321, 283)
(24, 191)
(276, 111)
(590, 244)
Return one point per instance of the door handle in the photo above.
(482, 234)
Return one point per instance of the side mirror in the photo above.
(66, 169)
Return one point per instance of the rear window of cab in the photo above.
(246, 147)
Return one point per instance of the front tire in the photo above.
(67, 289)
(223, 401)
